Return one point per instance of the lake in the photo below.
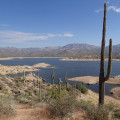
(73, 68)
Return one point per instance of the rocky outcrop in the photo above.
(115, 92)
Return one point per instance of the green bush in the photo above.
(7, 105)
(62, 105)
(4, 91)
(19, 84)
(82, 88)
(1, 86)
(116, 113)
(22, 98)
(111, 106)
(84, 105)
(95, 112)
(98, 113)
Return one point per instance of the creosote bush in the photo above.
(63, 104)
(95, 112)
(82, 88)
(7, 106)
(116, 114)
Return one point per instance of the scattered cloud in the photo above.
(99, 10)
(22, 37)
(68, 35)
(114, 8)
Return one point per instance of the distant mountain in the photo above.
(80, 47)
(70, 50)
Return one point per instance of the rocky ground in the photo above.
(115, 92)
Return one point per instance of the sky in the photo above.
(43, 23)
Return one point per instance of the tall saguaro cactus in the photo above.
(102, 77)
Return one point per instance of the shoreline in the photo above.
(61, 58)
(91, 80)
(68, 59)
(7, 70)
(10, 58)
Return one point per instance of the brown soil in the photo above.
(26, 112)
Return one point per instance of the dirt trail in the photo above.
(26, 112)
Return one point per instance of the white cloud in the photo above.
(68, 35)
(99, 10)
(22, 37)
(114, 8)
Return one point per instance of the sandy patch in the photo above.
(41, 65)
(20, 69)
(83, 59)
(94, 80)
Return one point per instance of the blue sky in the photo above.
(42, 23)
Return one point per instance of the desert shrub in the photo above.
(111, 106)
(4, 91)
(19, 84)
(1, 86)
(98, 113)
(10, 84)
(7, 105)
(36, 92)
(84, 105)
(95, 112)
(116, 114)
(62, 105)
(22, 98)
(82, 88)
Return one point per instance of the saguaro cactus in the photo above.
(39, 90)
(38, 80)
(60, 85)
(53, 77)
(102, 77)
(24, 77)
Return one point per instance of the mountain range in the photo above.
(70, 50)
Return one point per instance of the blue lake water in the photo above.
(73, 68)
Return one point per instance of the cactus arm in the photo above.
(109, 69)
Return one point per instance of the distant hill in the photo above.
(70, 50)
(80, 47)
